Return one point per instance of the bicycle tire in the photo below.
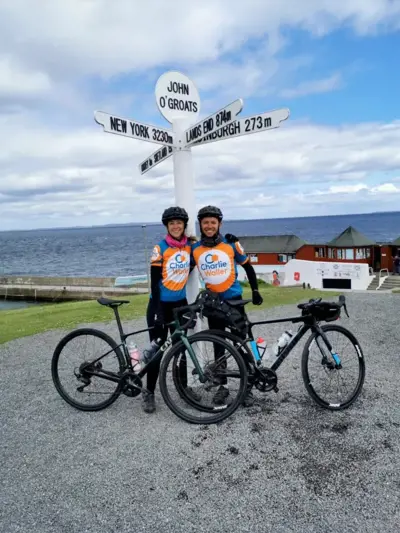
(56, 379)
(306, 377)
(220, 414)
(242, 349)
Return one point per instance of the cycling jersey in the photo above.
(175, 264)
(218, 266)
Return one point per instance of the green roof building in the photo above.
(351, 238)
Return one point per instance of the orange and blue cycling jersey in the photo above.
(218, 266)
(175, 264)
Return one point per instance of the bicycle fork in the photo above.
(332, 352)
(199, 370)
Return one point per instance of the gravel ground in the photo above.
(284, 465)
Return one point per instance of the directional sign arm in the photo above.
(133, 129)
(213, 123)
(155, 158)
(247, 125)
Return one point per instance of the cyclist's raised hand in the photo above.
(231, 238)
(257, 298)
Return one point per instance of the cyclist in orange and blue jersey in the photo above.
(169, 272)
(217, 258)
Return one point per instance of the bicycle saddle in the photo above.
(111, 303)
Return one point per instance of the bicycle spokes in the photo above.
(82, 376)
(333, 375)
(203, 393)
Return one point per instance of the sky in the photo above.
(335, 65)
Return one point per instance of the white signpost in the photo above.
(134, 129)
(245, 126)
(154, 159)
(178, 101)
(177, 97)
(213, 123)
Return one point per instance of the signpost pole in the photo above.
(185, 196)
(146, 257)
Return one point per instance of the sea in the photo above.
(118, 250)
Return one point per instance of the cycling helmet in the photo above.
(174, 213)
(209, 211)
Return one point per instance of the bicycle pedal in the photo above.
(276, 389)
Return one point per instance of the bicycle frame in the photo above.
(309, 323)
(178, 333)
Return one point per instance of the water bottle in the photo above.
(134, 354)
(283, 340)
(151, 351)
(261, 345)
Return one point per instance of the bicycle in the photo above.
(313, 312)
(125, 379)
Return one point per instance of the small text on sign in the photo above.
(140, 131)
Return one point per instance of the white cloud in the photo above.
(339, 189)
(88, 37)
(306, 88)
(383, 188)
(15, 80)
(386, 188)
(61, 45)
(54, 171)
(88, 176)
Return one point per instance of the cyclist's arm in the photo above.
(156, 270)
(242, 259)
(251, 275)
(155, 278)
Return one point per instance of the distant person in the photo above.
(211, 254)
(396, 263)
(275, 278)
(169, 272)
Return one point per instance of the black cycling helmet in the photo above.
(174, 213)
(210, 211)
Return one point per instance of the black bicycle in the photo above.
(330, 358)
(104, 362)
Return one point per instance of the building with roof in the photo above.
(350, 246)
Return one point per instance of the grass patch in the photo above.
(17, 323)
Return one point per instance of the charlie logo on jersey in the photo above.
(180, 261)
(178, 265)
(215, 264)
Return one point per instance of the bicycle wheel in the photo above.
(351, 363)
(84, 384)
(219, 396)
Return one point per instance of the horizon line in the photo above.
(145, 224)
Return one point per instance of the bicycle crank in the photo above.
(265, 380)
(133, 386)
